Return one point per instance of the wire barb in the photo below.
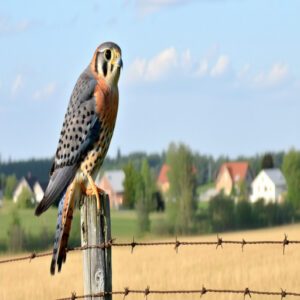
(126, 292)
(203, 291)
(285, 242)
(177, 244)
(133, 244)
(283, 294)
(247, 293)
(243, 244)
(73, 296)
(32, 256)
(219, 242)
(147, 291)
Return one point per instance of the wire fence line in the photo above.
(201, 292)
(219, 242)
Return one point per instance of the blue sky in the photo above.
(222, 76)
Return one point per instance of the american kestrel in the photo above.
(84, 140)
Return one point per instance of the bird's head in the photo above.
(108, 63)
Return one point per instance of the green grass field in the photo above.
(124, 223)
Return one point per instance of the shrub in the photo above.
(16, 235)
(221, 213)
(25, 199)
(243, 215)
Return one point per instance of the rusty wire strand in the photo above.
(176, 244)
(147, 291)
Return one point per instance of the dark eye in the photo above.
(107, 54)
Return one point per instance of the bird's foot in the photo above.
(93, 190)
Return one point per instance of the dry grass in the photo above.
(259, 267)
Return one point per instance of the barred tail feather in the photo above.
(57, 234)
(64, 222)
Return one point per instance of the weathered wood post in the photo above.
(96, 230)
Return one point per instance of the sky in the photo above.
(222, 76)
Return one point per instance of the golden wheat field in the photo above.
(258, 267)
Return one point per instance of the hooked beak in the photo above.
(119, 62)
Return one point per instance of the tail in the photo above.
(63, 227)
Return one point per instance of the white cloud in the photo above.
(149, 6)
(161, 64)
(17, 84)
(45, 91)
(137, 70)
(154, 69)
(278, 74)
(9, 27)
(202, 69)
(170, 63)
(221, 66)
(244, 71)
(186, 59)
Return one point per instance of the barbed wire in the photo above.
(218, 243)
(201, 292)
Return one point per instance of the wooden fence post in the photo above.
(95, 230)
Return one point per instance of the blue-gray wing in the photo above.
(80, 130)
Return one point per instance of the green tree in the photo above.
(145, 188)
(291, 170)
(2, 181)
(267, 161)
(221, 212)
(10, 184)
(16, 235)
(129, 184)
(259, 213)
(182, 193)
(25, 199)
(243, 212)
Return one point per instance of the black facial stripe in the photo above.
(111, 68)
(96, 62)
(104, 68)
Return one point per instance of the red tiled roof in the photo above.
(238, 170)
(163, 174)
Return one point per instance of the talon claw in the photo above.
(92, 190)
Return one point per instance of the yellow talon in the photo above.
(92, 189)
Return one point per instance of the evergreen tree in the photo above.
(10, 184)
(145, 189)
(291, 170)
(131, 179)
(267, 161)
(182, 192)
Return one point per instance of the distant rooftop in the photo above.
(116, 179)
(238, 169)
(163, 174)
(276, 176)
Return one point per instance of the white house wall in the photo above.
(23, 184)
(263, 187)
(38, 192)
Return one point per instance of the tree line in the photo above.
(206, 165)
(185, 214)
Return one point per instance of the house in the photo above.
(112, 183)
(206, 195)
(162, 180)
(232, 175)
(31, 183)
(270, 185)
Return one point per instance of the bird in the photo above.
(84, 140)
